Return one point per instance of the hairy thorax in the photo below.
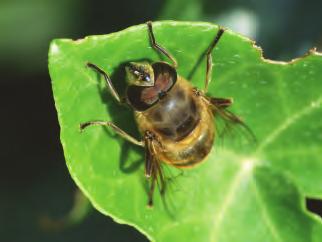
(176, 114)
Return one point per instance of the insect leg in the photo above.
(118, 130)
(153, 169)
(233, 119)
(219, 106)
(162, 180)
(156, 173)
(159, 48)
(150, 153)
(209, 58)
(221, 102)
(149, 158)
(151, 191)
(107, 79)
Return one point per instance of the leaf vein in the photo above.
(265, 214)
(287, 123)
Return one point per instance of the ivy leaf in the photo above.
(239, 193)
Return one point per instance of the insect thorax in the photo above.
(176, 114)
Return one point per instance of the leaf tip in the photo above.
(54, 48)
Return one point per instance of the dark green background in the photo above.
(34, 181)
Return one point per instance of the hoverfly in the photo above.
(176, 120)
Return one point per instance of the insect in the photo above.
(176, 120)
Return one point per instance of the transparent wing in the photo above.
(229, 125)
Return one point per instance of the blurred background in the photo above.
(39, 201)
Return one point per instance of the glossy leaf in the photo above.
(242, 192)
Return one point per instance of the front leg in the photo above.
(118, 130)
(158, 47)
(107, 79)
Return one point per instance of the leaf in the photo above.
(240, 193)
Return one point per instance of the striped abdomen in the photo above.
(183, 124)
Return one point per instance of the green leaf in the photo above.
(240, 193)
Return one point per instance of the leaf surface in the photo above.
(241, 192)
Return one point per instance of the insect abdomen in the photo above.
(194, 148)
(183, 124)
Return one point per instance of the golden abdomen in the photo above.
(183, 125)
(193, 148)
